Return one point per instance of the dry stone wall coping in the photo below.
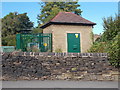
(59, 54)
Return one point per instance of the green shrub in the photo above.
(58, 50)
(33, 49)
(98, 47)
(113, 50)
(9, 40)
(111, 39)
(111, 47)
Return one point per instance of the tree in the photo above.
(37, 30)
(111, 28)
(12, 24)
(50, 9)
(109, 41)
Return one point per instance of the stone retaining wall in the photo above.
(57, 66)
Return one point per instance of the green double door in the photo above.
(73, 42)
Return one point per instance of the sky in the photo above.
(93, 11)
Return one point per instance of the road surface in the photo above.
(59, 84)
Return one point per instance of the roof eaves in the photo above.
(45, 25)
(66, 23)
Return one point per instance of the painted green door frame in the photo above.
(73, 42)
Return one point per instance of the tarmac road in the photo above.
(59, 84)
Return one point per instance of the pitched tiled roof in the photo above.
(68, 18)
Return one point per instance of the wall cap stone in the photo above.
(48, 54)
